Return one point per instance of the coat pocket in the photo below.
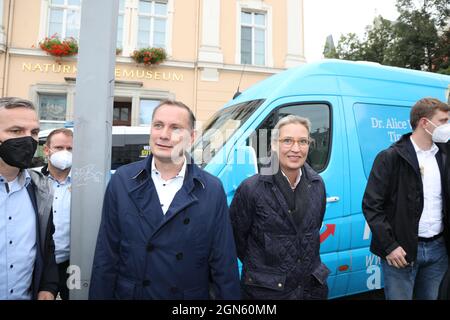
(319, 286)
(125, 289)
(265, 280)
(321, 273)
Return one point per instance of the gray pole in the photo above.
(92, 135)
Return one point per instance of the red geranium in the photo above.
(149, 56)
(60, 48)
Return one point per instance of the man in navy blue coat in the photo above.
(165, 230)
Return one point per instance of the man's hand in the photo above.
(397, 258)
(45, 295)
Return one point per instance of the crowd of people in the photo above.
(167, 232)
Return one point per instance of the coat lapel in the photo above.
(145, 198)
(183, 199)
(407, 151)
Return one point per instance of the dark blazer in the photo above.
(143, 254)
(280, 258)
(45, 277)
(393, 199)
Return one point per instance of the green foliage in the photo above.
(149, 56)
(329, 51)
(349, 47)
(418, 39)
(441, 61)
(59, 48)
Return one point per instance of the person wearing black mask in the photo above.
(27, 260)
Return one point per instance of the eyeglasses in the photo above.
(289, 142)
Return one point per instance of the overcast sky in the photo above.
(336, 17)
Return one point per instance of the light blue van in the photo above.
(356, 110)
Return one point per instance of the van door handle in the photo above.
(332, 199)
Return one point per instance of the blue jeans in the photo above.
(421, 279)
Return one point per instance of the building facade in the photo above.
(213, 46)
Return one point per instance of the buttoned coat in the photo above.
(143, 254)
(280, 259)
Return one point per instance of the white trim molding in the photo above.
(44, 18)
(295, 34)
(2, 28)
(168, 63)
(67, 89)
(239, 68)
(256, 6)
(43, 21)
(136, 94)
(210, 50)
(131, 24)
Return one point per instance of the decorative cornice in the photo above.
(168, 63)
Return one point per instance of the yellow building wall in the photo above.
(228, 33)
(25, 25)
(184, 30)
(211, 96)
(26, 69)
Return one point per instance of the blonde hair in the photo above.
(290, 119)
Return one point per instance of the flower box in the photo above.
(59, 48)
(149, 56)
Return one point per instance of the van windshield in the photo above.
(219, 128)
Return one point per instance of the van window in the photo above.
(220, 128)
(318, 114)
(386, 123)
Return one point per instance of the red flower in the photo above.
(55, 47)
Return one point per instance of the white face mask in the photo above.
(61, 159)
(441, 134)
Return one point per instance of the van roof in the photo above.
(126, 130)
(338, 77)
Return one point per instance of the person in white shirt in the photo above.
(58, 151)
(405, 205)
(165, 231)
(27, 258)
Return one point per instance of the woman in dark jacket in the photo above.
(276, 221)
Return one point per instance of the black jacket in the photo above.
(280, 259)
(393, 200)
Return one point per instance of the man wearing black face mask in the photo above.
(27, 260)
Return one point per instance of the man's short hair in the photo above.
(426, 108)
(179, 104)
(290, 119)
(65, 131)
(13, 102)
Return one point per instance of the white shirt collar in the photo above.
(433, 150)
(23, 179)
(296, 181)
(180, 174)
(67, 180)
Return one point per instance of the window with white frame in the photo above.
(152, 24)
(120, 24)
(146, 111)
(253, 38)
(52, 110)
(64, 18)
